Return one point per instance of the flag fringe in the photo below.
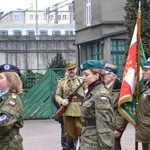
(126, 98)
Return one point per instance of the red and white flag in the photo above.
(126, 101)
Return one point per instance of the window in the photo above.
(37, 16)
(17, 32)
(64, 17)
(68, 32)
(43, 32)
(56, 32)
(50, 17)
(3, 32)
(88, 12)
(30, 32)
(59, 17)
(118, 48)
(16, 17)
(31, 17)
(96, 52)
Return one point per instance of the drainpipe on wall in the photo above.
(79, 59)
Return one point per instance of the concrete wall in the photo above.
(28, 53)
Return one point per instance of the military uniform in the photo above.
(113, 87)
(143, 117)
(11, 119)
(97, 113)
(65, 87)
(72, 115)
(60, 120)
(98, 121)
(120, 121)
(143, 113)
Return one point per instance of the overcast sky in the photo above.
(8, 5)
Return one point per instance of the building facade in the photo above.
(29, 17)
(100, 31)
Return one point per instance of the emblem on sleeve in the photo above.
(3, 117)
(11, 103)
(103, 98)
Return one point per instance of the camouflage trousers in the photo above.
(11, 142)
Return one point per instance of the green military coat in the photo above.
(64, 88)
(97, 113)
(11, 120)
(143, 116)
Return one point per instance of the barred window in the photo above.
(118, 48)
(96, 52)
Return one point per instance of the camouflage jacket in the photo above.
(98, 109)
(11, 119)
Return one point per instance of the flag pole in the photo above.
(138, 63)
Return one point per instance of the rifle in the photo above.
(62, 109)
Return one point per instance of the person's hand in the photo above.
(117, 134)
(64, 102)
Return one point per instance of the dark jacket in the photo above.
(143, 116)
(53, 98)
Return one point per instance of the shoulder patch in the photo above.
(3, 117)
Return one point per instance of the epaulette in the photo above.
(80, 77)
(61, 79)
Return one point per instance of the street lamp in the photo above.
(36, 18)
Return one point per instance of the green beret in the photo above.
(91, 64)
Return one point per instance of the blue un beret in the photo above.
(111, 68)
(9, 68)
(91, 64)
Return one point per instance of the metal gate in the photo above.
(37, 101)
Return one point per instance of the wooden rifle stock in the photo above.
(62, 109)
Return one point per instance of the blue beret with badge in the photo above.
(147, 64)
(9, 68)
(110, 68)
(91, 64)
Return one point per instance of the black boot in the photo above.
(75, 142)
(70, 144)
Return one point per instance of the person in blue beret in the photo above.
(9, 68)
(11, 109)
(113, 85)
(96, 109)
(143, 115)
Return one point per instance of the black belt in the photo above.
(89, 123)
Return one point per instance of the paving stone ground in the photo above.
(45, 135)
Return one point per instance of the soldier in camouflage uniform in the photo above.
(113, 85)
(143, 114)
(96, 110)
(11, 110)
(72, 116)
